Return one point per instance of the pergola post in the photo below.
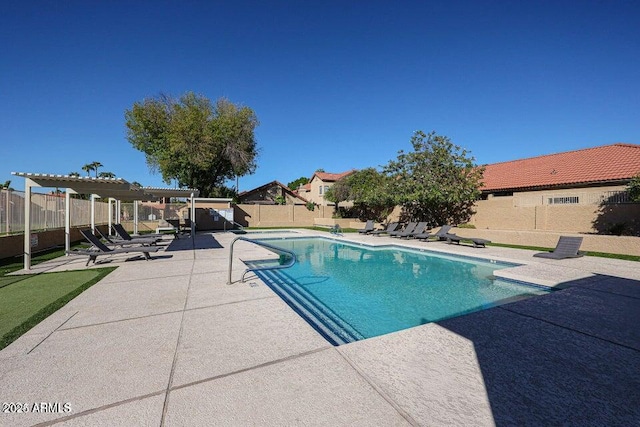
(135, 217)
(27, 223)
(67, 221)
(93, 214)
(193, 218)
(110, 212)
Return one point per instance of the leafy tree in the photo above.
(280, 200)
(76, 174)
(95, 166)
(294, 185)
(106, 175)
(634, 189)
(437, 182)
(88, 168)
(370, 192)
(6, 185)
(189, 139)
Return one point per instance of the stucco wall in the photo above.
(503, 214)
(279, 216)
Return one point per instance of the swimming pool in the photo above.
(350, 292)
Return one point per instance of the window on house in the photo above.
(326, 187)
(570, 200)
(320, 189)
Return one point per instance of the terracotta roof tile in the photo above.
(332, 177)
(599, 164)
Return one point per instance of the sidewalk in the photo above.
(168, 342)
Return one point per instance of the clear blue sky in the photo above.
(335, 84)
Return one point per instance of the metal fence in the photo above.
(47, 211)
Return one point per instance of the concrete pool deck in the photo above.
(168, 342)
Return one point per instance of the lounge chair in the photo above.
(368, 228)
(408, 229)
(390, 228)
(100, 248)
(110, 241)
(151, 239)
(477, 242)
(440, 234)
(567, 247)
(412, 233)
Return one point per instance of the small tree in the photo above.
(294, 185)
(88, 168)
(95, 166)
(369, 191)
(106, 175)
(437, 182)
(634, 189)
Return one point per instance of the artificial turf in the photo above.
(26, 300)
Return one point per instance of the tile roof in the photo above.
(608, 163)
(332, 177)
(273, 184)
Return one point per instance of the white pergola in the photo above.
(114, 189)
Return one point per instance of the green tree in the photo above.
(189, 139)
(6, 185)
(294, 185)
(106, 175)
(437, 182)
(88, 168)
(370, 192)
(634, 189)
(95, 166)
(76, 174)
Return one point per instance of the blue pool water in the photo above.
(350, 292)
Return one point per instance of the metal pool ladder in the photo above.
(265, 245)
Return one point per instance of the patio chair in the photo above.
(150, 239)
(99, 248)
(477, 242)
(567, 247)
(409, 228)
(440, 234)
(412, 233)
(391, 227)
(110, 241)
(368, 228)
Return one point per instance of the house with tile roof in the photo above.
(271, 193)
(318, 185)
(604, 166)
(583, 179)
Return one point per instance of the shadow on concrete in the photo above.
(566, 358)
(186, 243)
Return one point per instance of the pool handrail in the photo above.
(265, 245)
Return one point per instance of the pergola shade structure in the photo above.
(106, 188)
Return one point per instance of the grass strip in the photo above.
(588, 253)
(34, 298)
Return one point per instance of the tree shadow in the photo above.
(615, 217)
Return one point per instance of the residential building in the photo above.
(318, 185)
(271, 193)
(536, 193)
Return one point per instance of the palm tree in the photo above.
(76, 174)
(95, 166)
(88, 168)
(6, 185)
(106, 175)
